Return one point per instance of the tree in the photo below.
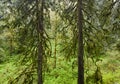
(80, 44)
(40, 28)
(32, 39)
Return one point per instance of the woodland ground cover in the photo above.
(64, 74)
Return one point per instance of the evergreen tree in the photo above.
(80, 44)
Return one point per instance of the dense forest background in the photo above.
(59, 41)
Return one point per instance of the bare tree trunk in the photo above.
(55, 50)
(40, 30)
(80, 45)
(11, 46)
(55, 41)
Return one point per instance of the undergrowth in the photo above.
(64, 74)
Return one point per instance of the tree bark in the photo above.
(40, 27)
(55, 50)
(80, 44)
(11, 41)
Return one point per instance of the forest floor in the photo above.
(110, 68)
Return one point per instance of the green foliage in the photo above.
(95, 78)
(18, 35)
(118, 45)
(2, 55)
(63, 74)
(111, 77)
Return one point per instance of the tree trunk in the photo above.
(39, 16)
(55, 50)
(11, 46)
(80, 45)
